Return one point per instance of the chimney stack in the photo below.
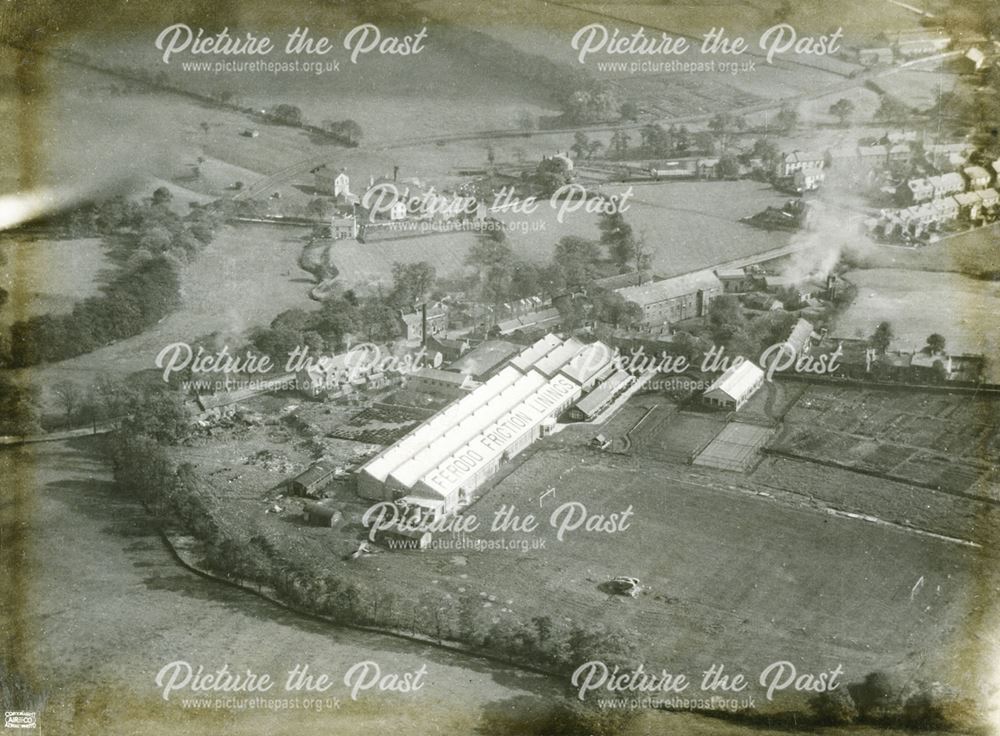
(423, 324)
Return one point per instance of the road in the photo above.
(94, 606)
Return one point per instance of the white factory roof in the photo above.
(391, 458)
(434, 483)
(531, 355)
(549, 364)
(445, 444)
(600, 395)
(588, 362)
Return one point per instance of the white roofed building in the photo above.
(438, 466)
(735, 386)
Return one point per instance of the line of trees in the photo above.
(148, 240)
(246, 553)
(882, 700)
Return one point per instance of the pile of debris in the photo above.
(270, 461)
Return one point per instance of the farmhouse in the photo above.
(440, 464)
(311, 481)
(674, 299)
(327, 181)
(344, 228)
(734, 388)
(808, 180)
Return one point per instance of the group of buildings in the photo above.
(434, 470)
(933, 201)
(916, 43)
(387, 200)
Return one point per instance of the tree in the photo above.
(833, 707)
(581, 143)
(624, 248)
(575, 259)
(935, 344)
(767, 152)
(287, 114)
(594, 148)
(411, 283)
(891, 109)
(160, 414)
(17, 408)
(842, 109)
(348, 131)
(882, 337)
(69, 397)
(720, 125)
(728, 167)
(787, 118)
(162, 196)
(379, 319)
(878, 698)
(493, 260)
(629, 111)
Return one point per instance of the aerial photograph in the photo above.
(536, 368)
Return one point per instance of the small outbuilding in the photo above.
(319, 514)
(311, 481)
(734, 388)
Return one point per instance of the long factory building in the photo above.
(438, 465)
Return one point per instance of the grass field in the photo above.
(917, 303)
(94, 564)
(245, 277)
(102, 606)
(54, 274)
(728, 577)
